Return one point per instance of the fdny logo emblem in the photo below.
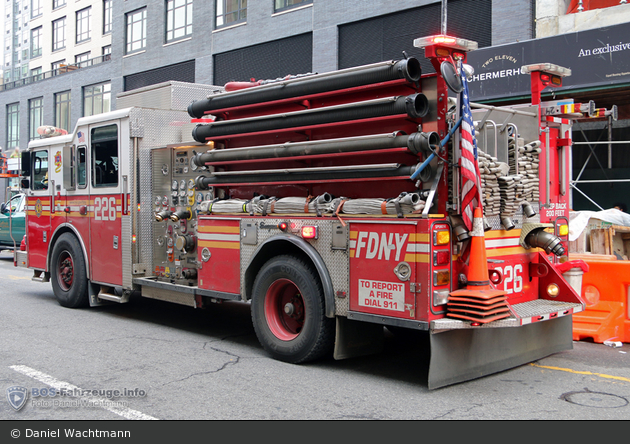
(17, 396)
(38, 208)
(58, 161)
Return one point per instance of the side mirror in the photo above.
(3, 207)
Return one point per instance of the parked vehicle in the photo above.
(12, 222)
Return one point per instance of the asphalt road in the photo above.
(177, 363)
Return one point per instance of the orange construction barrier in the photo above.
(605, 289)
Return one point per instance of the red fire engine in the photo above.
(335, 203)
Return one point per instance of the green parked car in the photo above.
(12, 216)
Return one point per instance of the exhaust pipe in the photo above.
(408, 69)
(415, 106)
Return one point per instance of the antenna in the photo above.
(444, 2)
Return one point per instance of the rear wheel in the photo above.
(288, 311)
(68, 273)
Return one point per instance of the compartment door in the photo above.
(382, 267)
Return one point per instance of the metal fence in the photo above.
(63, 69)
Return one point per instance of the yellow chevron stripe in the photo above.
(219, 229)
(228, 245)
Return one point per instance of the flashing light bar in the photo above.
(447, 41)
(549, 68)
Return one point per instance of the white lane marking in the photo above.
(126, 413)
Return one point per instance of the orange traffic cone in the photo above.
(479, 301)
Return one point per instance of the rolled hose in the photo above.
(415, 106)
(408, 69)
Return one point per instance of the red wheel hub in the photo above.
(65, 271)
(284, 309)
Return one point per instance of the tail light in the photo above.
(309, 232)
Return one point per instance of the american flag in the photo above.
(81, 136)
(469, 167)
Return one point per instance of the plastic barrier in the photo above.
(605, 289)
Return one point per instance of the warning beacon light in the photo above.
(444, 46)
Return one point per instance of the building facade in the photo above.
(92, 50)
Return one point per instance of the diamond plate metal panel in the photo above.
(337, 261)
(170, 95)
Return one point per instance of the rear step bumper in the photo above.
(464, 354)
(522, 314)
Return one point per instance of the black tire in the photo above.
(68, 273)
(302, 334)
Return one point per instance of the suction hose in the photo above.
(408, 69)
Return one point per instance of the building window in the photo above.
(281, 5)
(13, 125)
(178, 19)
(81, 60)
(36, 42)
(35, 117)
(58, 3)
(36, 8)
(59, 34)
(230, 12)
(56, 67)
(62, 110)
(96, 99)
(36, 74)
(136, 30)
(84, 25)
(107, 16)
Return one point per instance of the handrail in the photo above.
(63, 69)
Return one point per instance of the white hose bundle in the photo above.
(406, 203)
(229, 206)
(288, 205)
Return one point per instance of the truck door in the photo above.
(105, 204)
(39, 198)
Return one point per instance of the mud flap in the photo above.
(462, 355)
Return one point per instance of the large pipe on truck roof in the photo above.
(415, 106)
(416, 143)
(408, 69)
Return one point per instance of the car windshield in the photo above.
(15, 204)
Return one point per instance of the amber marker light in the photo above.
(442, 237)
(553, 290)
(563, 230)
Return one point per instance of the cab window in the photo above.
(104, 149)
(81, 167)
(40, 170)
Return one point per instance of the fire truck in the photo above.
(336, 204)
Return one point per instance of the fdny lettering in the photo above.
(372, 246)
(384, 295)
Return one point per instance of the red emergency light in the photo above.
(309, 232)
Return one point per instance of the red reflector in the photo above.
(309, 232)
(282, 226)
(440, 257)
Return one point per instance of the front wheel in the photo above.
(68, 273)
(288, 311)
